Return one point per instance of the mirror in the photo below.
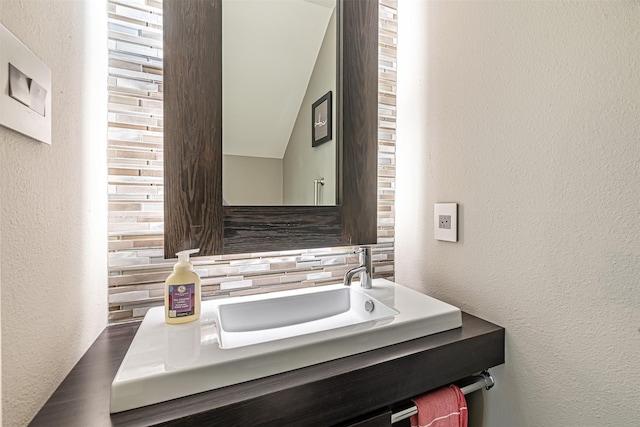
(273, 72)
(193, 128)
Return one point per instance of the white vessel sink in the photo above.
(240, 339)
(264, 318)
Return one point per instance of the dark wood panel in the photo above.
(83, 397)
(192, 126)
(359, 127)
(246, 230)
(375, 419)
(194, 215)
(323, 394)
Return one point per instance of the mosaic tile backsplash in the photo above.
(137, 268)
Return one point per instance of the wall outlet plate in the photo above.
(445, 222)
(25, 100)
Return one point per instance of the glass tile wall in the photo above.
(137, 268)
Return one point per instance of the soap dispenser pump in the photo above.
(182, 291)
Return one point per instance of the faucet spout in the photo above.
(348, 277)
(364, 269)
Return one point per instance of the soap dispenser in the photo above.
(182, 291)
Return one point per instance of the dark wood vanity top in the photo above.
(318, 395)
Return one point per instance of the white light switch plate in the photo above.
(445, 221)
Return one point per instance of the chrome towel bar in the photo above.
(484, 380)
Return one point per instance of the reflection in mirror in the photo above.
(279, 57)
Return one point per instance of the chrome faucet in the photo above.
(364, 269)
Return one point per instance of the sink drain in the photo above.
(368, 305)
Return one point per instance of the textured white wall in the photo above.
(527, 114)
(53, 200)
(248, 181)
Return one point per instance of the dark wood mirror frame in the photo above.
(194, 214)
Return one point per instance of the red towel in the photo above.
(445, 407)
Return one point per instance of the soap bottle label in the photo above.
(182, 300)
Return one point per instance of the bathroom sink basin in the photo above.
(267, 317)
(240, 339)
